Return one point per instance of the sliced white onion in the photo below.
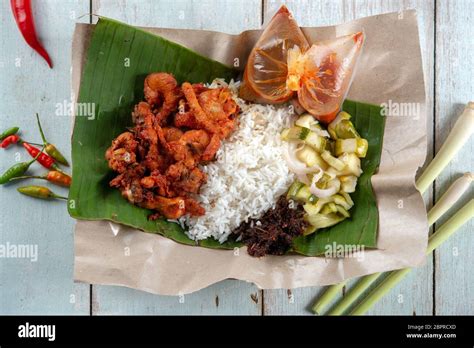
(333, 187)
(294, 164)
(320, 132)
(303, 178)
(316, 177)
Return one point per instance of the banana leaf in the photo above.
(118, 59)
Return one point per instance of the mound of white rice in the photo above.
(248, 175)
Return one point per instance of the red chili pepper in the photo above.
(44, 159)
(11, 139)
(24, 19)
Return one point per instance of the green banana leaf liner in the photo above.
(118, 59)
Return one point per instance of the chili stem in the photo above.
(41, 130)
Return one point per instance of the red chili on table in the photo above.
(11, 139)
(24, 20)
(44, 159)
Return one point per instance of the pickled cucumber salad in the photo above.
(326, 163)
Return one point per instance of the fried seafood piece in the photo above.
(171, 208)
(217, 104)
(144, 119)
(193, 207)
(185, 180)
(122, 152)
(161, 90)
(214, 110)
(158, 159)
(212, 148)
(128, 183)
(141, 113)
(199, 88)
(158, 182)
(186, 119)
(151, 136)
(202, 119)
(190, 147)
(172, 133)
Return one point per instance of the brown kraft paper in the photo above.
(390, 73)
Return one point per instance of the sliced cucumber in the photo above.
(303, 194)
(333, 161)
(340, 200)
(294, 133)
(358, 146)
(348, 198)
(346, 130)
(308, 156)
(341, 210)
(320, 162)
(352, 164)
(293, 190)
(316, 141)
(362, 147)
(332, 127)
(306, 120)
(345, 146)
(323, 220)
(312, 209)
(348, 183)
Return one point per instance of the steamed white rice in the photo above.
(248, 175)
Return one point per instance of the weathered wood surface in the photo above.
(454, 277)
(443, 286)
(27, 86)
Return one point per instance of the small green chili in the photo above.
(8, 132)
(16, 170)
(39, 192)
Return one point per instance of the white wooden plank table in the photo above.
(444, 286)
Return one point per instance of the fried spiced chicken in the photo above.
(176, 129)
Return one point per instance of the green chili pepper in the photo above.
(39, 192)
(50, 148)
(8, 132)
(17, 170)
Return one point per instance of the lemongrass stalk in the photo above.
(447, 200)
(326, 297)
(460, 133)
(462, 130)
(352, 295)
(450, 197)
(438, 238)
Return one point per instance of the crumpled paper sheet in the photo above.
(390, 69)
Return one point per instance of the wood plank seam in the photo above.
(433, 187)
